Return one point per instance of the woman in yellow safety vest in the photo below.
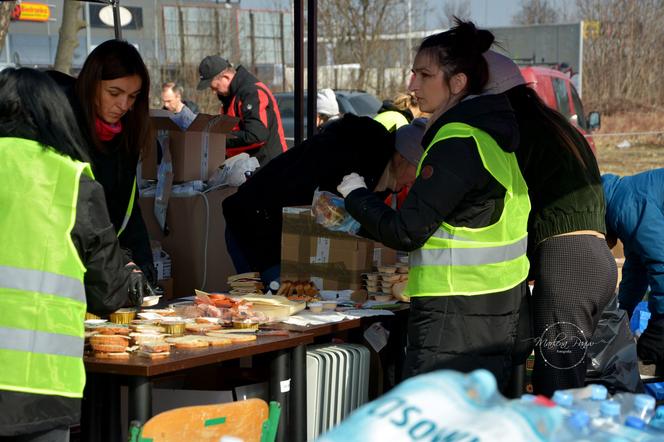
(110, 98)
(58, 257)
(464, 220)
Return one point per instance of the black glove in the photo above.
(150, 273)
(138, 285)
(650, 346)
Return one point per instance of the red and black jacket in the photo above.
(259, 131)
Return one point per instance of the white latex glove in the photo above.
(350, 183)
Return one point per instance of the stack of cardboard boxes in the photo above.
(194, 236)
(331, 260)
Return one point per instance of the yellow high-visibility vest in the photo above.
(42, 296)
(475, 261)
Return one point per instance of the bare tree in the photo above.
(535, 12)
(622, 53)
(454, 8)
(67, 41)
(6, 9)
(355, 43)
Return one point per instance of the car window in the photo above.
(286, 106)
(578, 109)
(560, 89)
(365, 104)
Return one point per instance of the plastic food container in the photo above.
(123, 316)
(175, 328)
(383, 298)
(315, 307)
(89, 315)
(329, 305)
(243, 324)
(371, 276)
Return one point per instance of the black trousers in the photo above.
(464, 333)
(575, 278)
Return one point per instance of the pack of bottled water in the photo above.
(451, 406)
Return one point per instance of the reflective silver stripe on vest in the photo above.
(469, 257)
(42, 282)
(440, 233)
(40, 342)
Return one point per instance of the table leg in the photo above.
(140, 399)
(298, 421)
(280, 390)
(91, 409)
(111, 418)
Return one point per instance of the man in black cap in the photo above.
(259, 132)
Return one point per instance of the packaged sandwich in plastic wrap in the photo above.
(329, 211)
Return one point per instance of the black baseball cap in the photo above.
(209, 68)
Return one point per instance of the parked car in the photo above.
(557, 91)
(350, 102)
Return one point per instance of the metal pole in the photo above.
(312, 63)
(410, 28)
(88, 36)
(580, 69)
(298, 74)
(116, 19)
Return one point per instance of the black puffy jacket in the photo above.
(349, 144)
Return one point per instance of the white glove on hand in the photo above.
(350, 183)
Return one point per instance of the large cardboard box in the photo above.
(195, 240)
(332, 260)
(195, 152)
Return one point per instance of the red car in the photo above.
(558, 92)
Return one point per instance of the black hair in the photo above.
(32, 106)
(528, 105)
(459, 50)
(111, 60)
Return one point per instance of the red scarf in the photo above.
(106, 131)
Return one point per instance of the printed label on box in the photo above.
(322, 251)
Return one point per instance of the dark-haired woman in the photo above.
(58, 256)
(110, 99)
(574, 271)
(464, 220)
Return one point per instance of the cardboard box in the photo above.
(195, 152)
(197, 263)
(332, 260)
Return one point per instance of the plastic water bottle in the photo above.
(563, 398)
(609, 415)
(643, 407)
(590, 405)
(638, 405)
(657, 422)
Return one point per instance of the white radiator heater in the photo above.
(337, 383)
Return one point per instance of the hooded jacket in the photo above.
(459, 190)
(106, 287)
(259, 132)
(635, 214)
(348, 144)
(115, 171)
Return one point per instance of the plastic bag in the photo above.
(613, 359)
(329, 211)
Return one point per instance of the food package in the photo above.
(329, 211)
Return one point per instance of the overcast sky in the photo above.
(483, 12)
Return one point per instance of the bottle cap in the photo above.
(579, 420)
(598, 392)
(634, 422)
(528, 398)
(485, 383)
(274, 285)
(609, 408)
(643, 401)
(563, 398)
